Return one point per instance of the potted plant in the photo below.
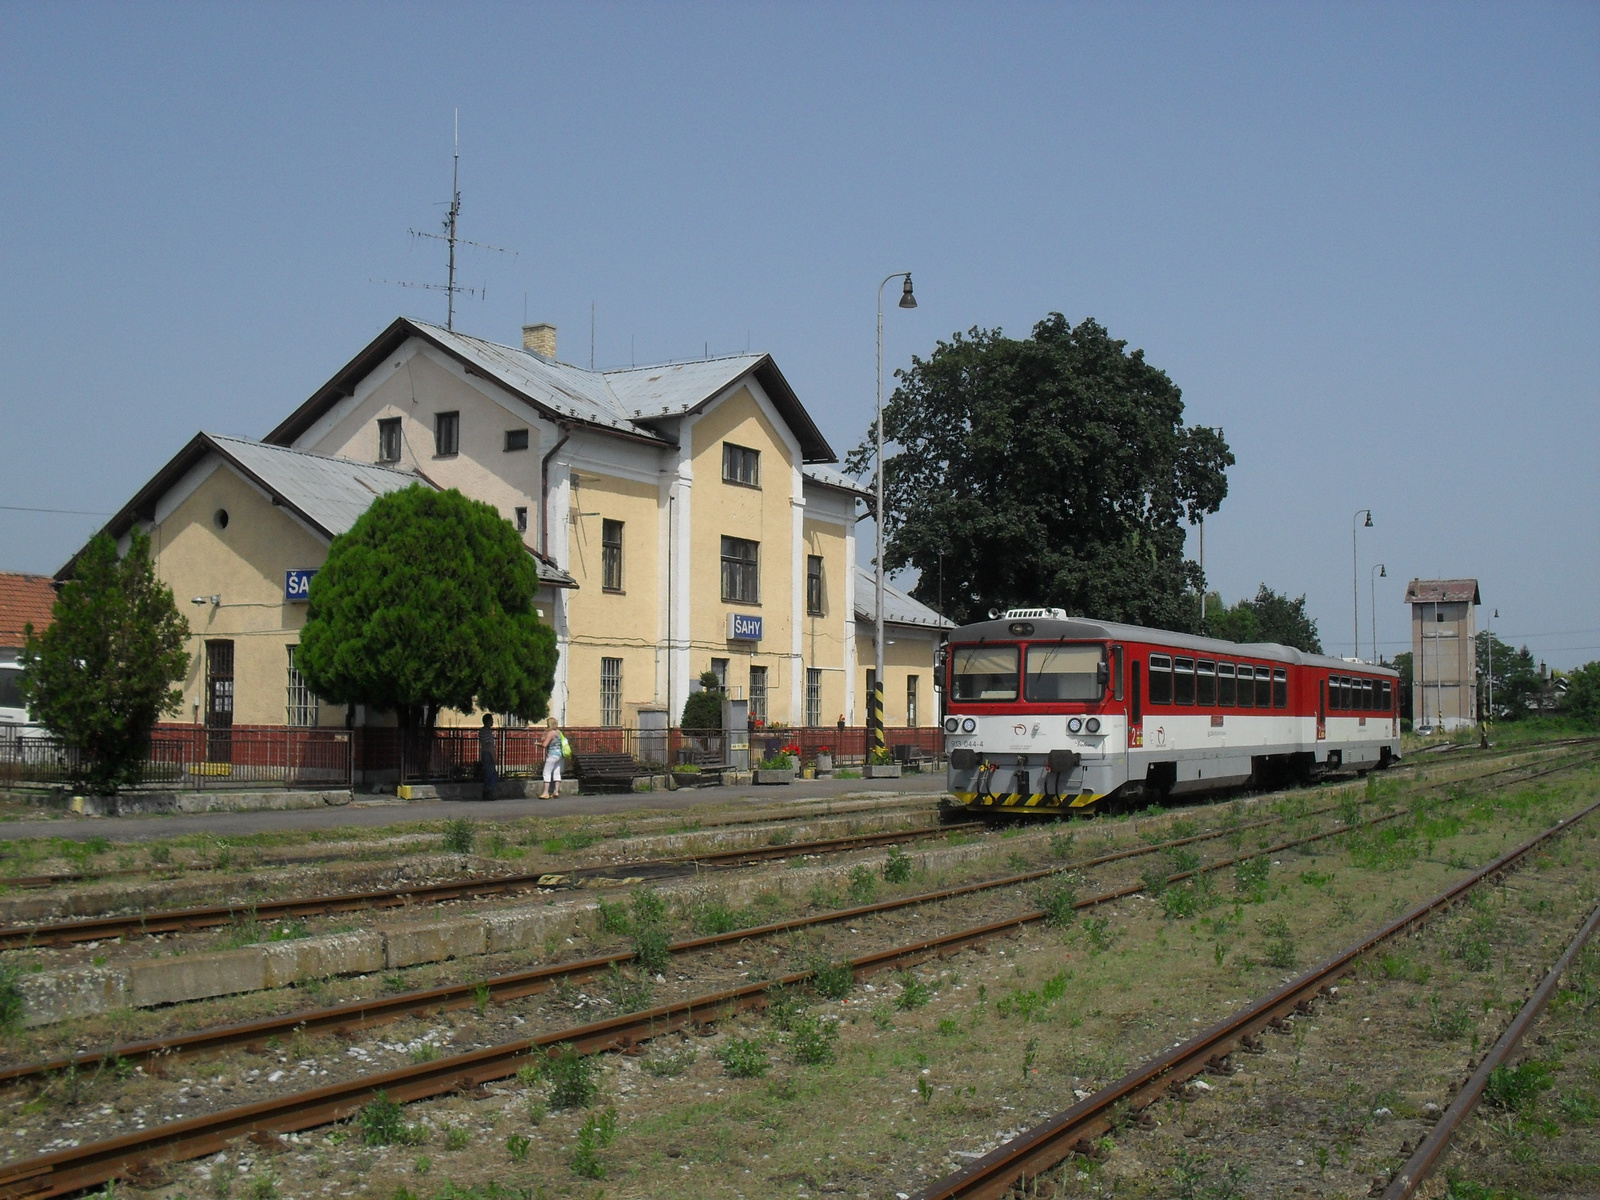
(778, 767)
(688, 775)
(824, 760)
(881, 765)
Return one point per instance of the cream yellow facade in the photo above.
(622, 482)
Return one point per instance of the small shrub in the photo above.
(1278, 950)
(897, 867)
(652, 946)
(1397, 965)
(612, 918)
(456, 1138)
(711, 917)
(743, 1059)
(627, 993)
(518, 1145)
(913, 993)
(668, 1063)
(1061, 843)
(1153, 879)
(1579, 1108)
(597, 1132)
(459, 834)
(160, 853)
(863, 886)
(1017, 861)
(784, 1007)
(572, 1081)
(1517, 1088)
(811, 1041)
(833, 980)
(427, 1052)
(1189, 899)
(883, 1016)
(649, 908)
(1250, 877)
(1059, 900)
(1447, 1024)
(1098, 930)
(1183, 860)
(383, 1124)
(10, 998)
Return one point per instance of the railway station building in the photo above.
(683, 518)
(1444, 646)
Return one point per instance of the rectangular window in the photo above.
(983, 673)
(389, 440)
(1247, 686)
(1183, 681)
(911, 699)
(719, 668)
(758, 694)
(1280, 687)
(1385, 696)
(611, 692)
(740, 464)
(814, 584)
(1225, 692)
(741, 571)
(219, 701)
(1160, 679)
(1368, 699)
(302, 707)
(516, 439)
(611, 555)
(1341, 693)
(1205, 684)
(446, 434)
(813, 697)
(1064, 671)
(1263, 687)
(521, 515)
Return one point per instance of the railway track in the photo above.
(179, 920)
(1029, 1154)
(66, 1171)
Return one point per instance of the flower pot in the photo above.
(824, 764)
(879, 772)
(689, 779)
(783, 775)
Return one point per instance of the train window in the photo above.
(1335, 696)
(1366, 695)
(1280, 687)
(1225, 692)
(1160, 679)
(1247, 687)
(1183, 681)
(1064, 671)
(1384, 696)
(1344, 692)
(1205, 683)
(1263, 687)
(983, 672)
(1116, 672)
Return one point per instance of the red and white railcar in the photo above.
(1046, 713)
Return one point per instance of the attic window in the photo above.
(740, 464)
(389, 440)
(446, 434)
(516, 439)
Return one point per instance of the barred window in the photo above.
(611, 692)
(389, 440)
(302, 707)
(611, 555)
(813, 697)
(911, 699)
(758, 694)
(741, 571)
(740, 464)
(814, 584)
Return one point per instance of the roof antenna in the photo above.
(450, 238)
(591, 335)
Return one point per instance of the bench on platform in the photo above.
(596, 771)
(911, 756)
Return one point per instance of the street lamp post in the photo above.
(1489, 712)
(908, 299)
(1372, 580)
(1355, 580)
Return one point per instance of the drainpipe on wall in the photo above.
(544, 491)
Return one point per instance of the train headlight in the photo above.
(1092, 725)
(951, 724)
(969, 725)
(1074, 724)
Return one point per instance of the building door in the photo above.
(219, 701)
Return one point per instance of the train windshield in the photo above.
(983, 672)
(1064, 671)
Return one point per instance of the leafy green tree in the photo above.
(1583, 694)
(426, 604)
(1054, 469)
(1270, 617)
(703, 709)
(1517, 682)
(1402, 663)
(102, 674)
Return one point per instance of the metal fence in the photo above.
(197, 758)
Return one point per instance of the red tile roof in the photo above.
(23, 599)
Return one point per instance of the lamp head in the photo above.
(1383, 571)
(1369, 518)
(908, 299)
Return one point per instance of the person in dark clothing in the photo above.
(486, 756)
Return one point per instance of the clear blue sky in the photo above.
(1362, 238)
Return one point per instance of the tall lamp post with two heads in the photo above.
(908, 299)
(1355, 578)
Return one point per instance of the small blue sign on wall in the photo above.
(743, 628)
(297, 584)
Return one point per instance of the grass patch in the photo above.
(744, 1059)
(897, 867)
(459, 835)
(572, 1079)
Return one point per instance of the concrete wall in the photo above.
(1444, 657)
(908, 651)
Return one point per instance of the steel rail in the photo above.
(1073, 1130)
(1416, 1169)
(93, 929)
(64, 1171)
(364, 1014)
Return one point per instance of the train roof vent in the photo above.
(1047, 614)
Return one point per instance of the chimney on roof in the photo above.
(540, 338)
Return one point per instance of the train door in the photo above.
(1322, 710)
(1135, 706)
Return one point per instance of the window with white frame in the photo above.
(389, 440)
(911, 699)
(740, 464)
(758, 694)
(302, 706)
(610, 556)
(611, 692)
(813, 697)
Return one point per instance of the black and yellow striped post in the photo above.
(875, 740)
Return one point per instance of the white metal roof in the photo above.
(898, 608)
(330, 492)
(835, 480)
(673, 389)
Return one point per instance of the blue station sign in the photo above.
(297, 584)
(742, 627)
